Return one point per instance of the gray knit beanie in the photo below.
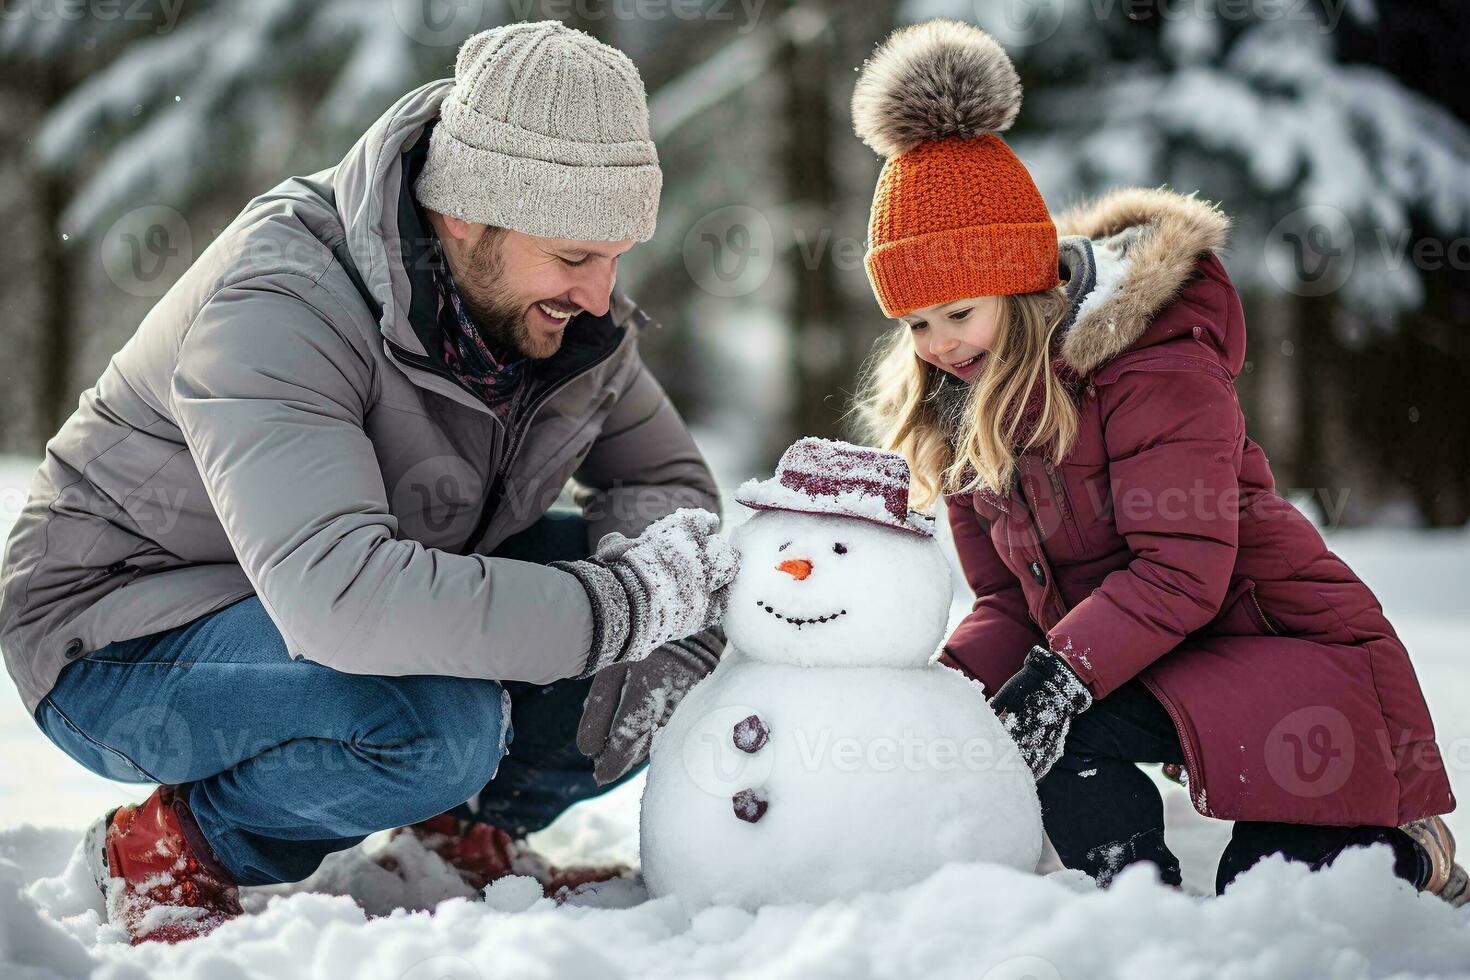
(546, 132)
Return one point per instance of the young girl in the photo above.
(1142, 593)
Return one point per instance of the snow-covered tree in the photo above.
(1350, 189)
(231, 88)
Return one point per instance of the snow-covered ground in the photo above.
(1353, 920)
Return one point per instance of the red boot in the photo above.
(158, 875)
(482, 852)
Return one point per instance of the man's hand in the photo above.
(668, 583)
(1037, 706)
(630, 701)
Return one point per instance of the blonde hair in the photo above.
(957, 441)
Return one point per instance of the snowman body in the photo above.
(828, 754)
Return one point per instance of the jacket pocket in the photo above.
(1240, 614)
(1259, 614)
(1070, 519)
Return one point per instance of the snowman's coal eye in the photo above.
(784, 546)
(841, 549)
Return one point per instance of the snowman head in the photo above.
(835, 571)
(836, 592)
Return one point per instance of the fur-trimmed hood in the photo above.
(1130, 252)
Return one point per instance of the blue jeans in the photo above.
(288, 761)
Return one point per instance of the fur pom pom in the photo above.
(935, 79)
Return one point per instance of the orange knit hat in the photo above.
(956, 214)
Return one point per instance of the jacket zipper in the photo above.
(424, 363)
(1065, 503)
(1261, 613)
(513, 443)
(1145, 360)
(1196, 775)
(429, 365)
(1046, 582)
(343, 258)
(119, 567)
(1191, 764)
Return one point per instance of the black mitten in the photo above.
(1037, 706)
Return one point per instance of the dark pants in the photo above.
(287, 761)
(1102, 812)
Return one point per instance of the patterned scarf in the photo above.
(469, 358)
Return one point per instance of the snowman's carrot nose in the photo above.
(797, 568)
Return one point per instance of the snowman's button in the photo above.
(751, 734)
(750, 806)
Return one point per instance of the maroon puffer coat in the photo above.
(1158, 547)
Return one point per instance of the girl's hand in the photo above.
(1037, 705)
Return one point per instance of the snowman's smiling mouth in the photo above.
(799, 623)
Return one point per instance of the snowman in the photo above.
(829, 754)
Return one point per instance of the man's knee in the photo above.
(448, 733)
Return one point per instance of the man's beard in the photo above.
(499, 316)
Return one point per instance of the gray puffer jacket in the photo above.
(279, 425)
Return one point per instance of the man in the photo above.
(291, 557)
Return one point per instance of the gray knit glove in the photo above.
(629, 701)
(668, 583)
